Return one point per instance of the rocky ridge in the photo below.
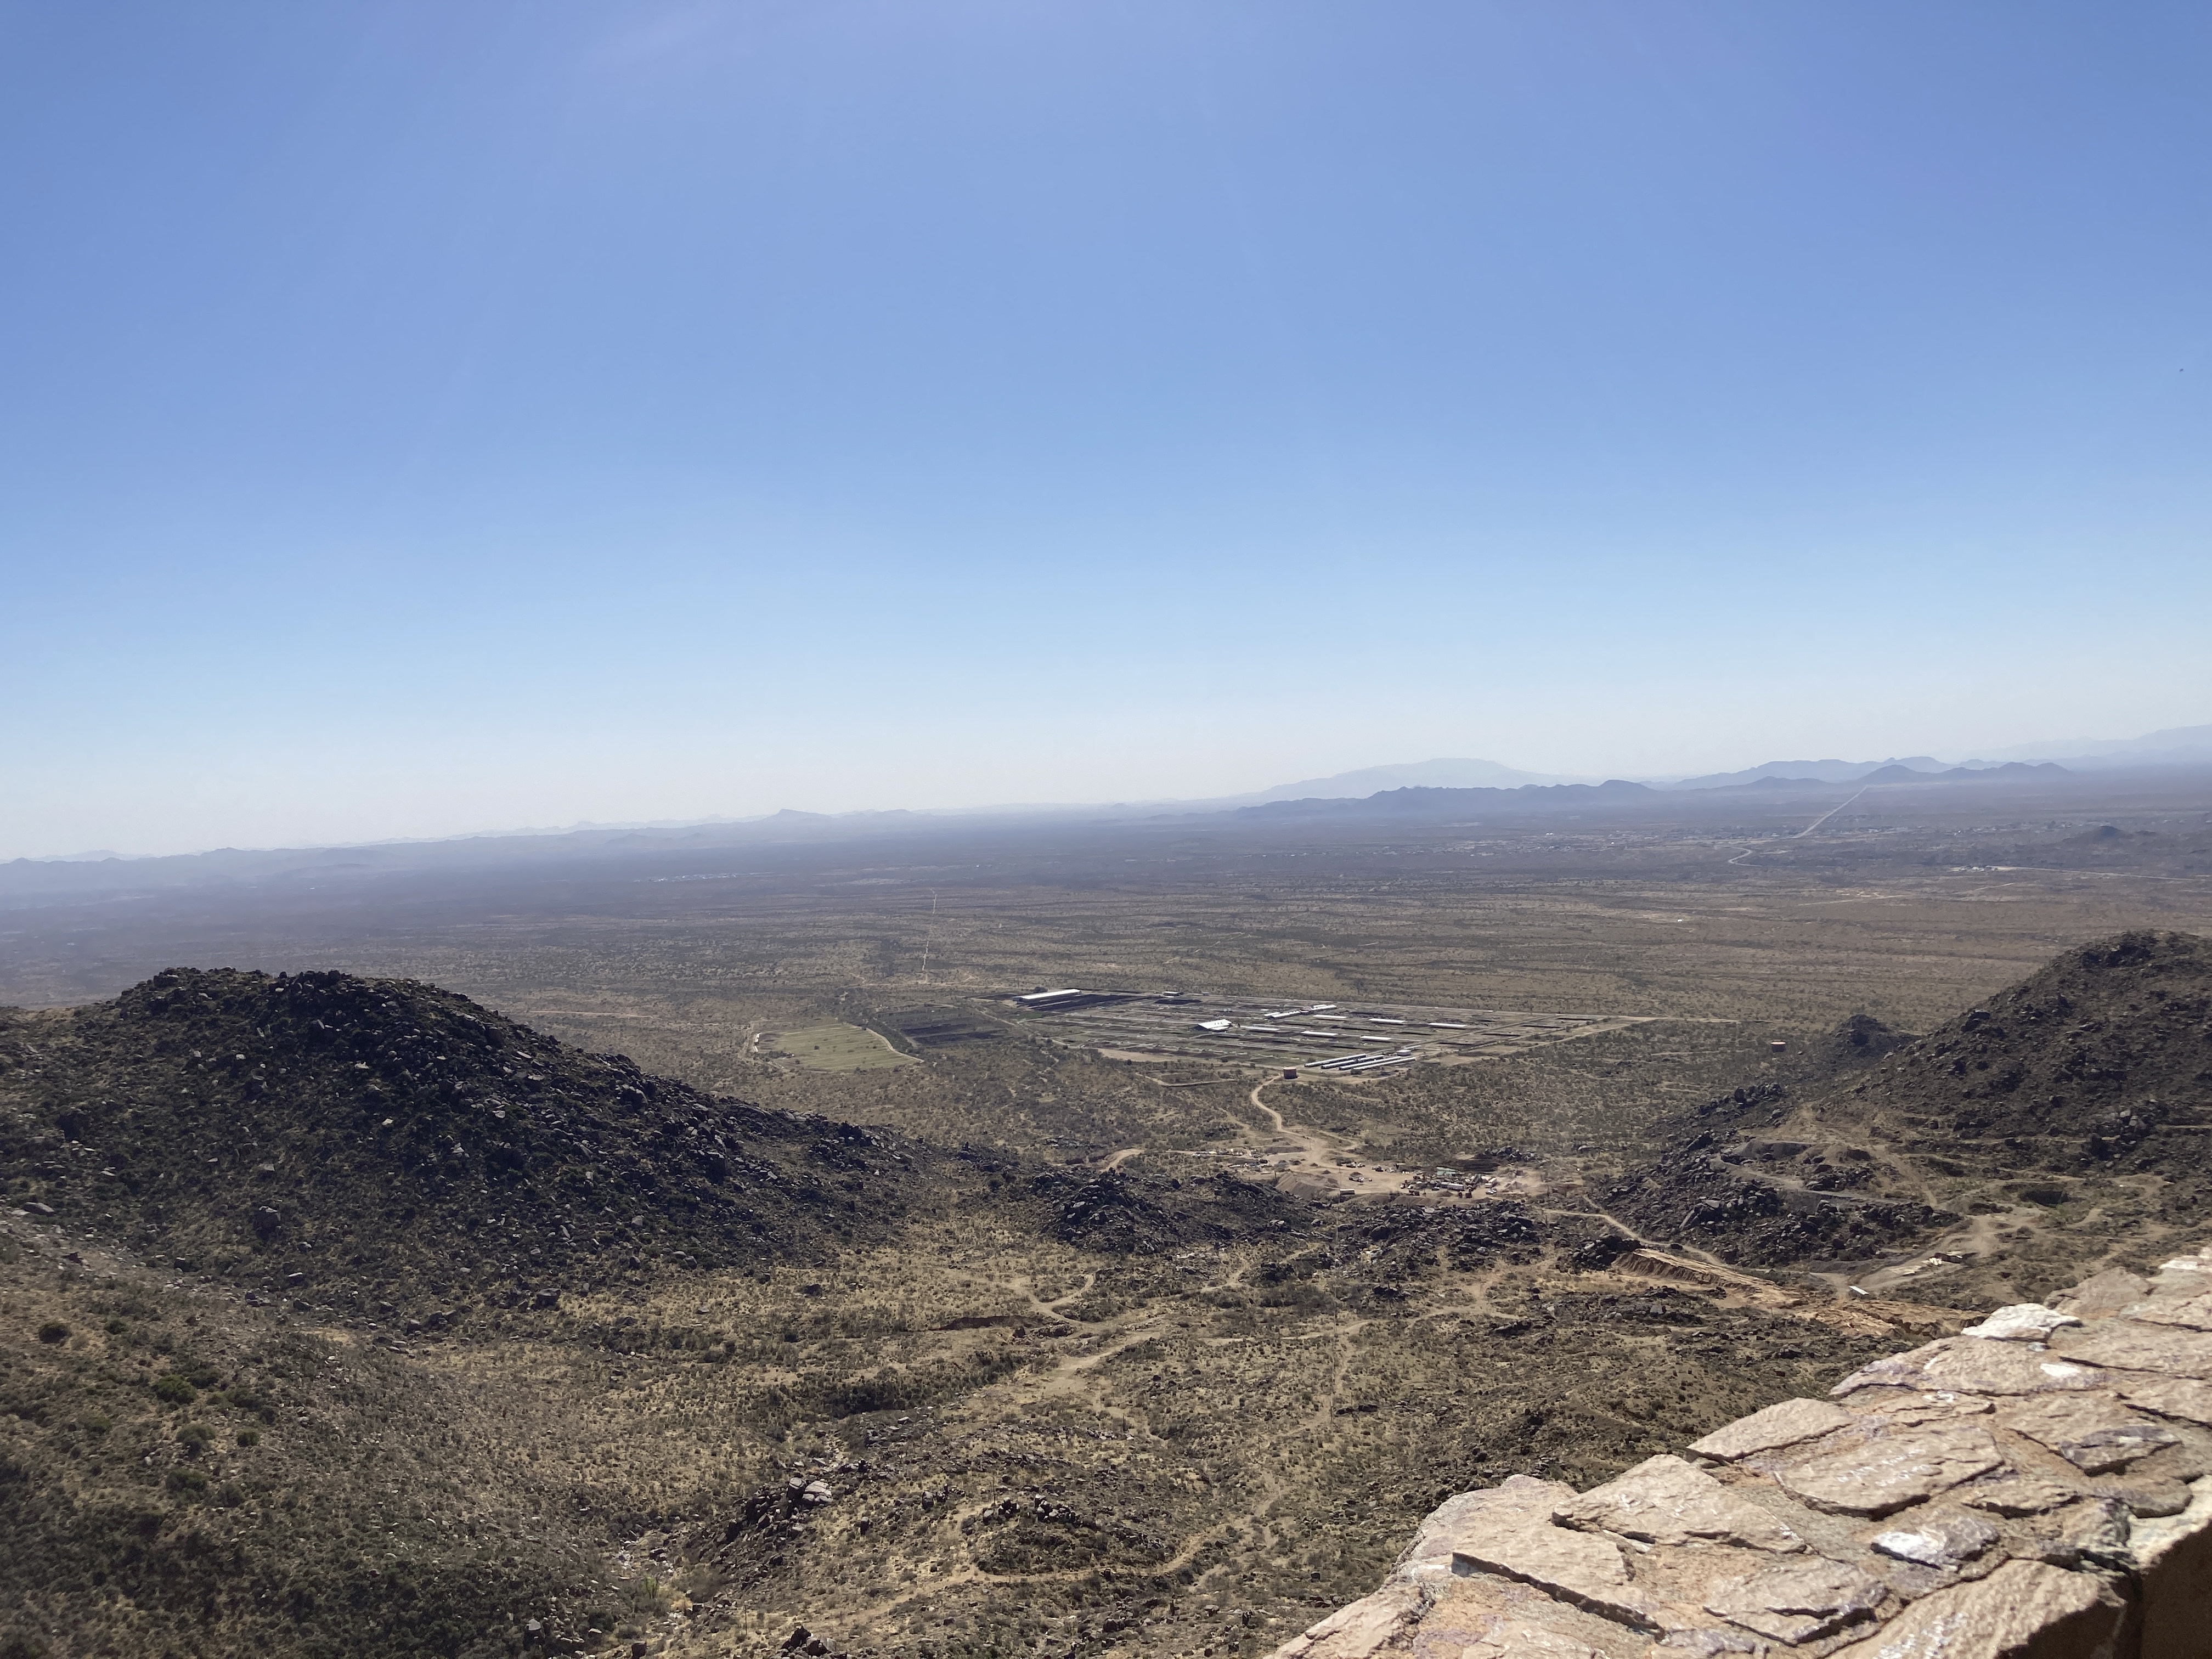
(337, 1138)
(2098, 1065)
(2038, 1484)
(2087, 1084)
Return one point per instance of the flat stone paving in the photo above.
(2038, 1487)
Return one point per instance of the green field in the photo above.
(834, 1047)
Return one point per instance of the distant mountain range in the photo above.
(1412, 775)
(1423, 803)
(1820, 771)
(1419, 802)
(2177, 745)
(1965, 774)
(1918, 769)
(1402, 787)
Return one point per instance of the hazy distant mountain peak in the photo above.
(1822, 771)
(2175, 746)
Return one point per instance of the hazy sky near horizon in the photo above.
(424, 418)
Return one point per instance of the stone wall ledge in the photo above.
(2039, 1485)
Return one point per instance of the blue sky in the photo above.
(427, 418)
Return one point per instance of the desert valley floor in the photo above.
(354, 1300)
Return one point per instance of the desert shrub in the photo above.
(53, 1331)
(189, 1482)
(249, 1436)
(173, 1390)
(1305, 1298)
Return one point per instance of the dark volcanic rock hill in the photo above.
(1123, 1212)
(355, 1132)
(2100, 1063)
(1745, 1188)
(2076, 1104)
(1859, 1041)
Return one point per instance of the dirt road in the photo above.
(1319, 1153)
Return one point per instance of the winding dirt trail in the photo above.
(1273, 1116)
(1321, 1151)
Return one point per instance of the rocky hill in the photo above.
(2097, 1065)
(2036, 1132)
(344, 1141)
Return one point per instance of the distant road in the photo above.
(1807, 829)
(1826, 816)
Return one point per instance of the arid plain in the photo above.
(1107, 1386)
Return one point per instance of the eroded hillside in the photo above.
(2057, 1128)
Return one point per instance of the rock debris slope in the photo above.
(2096, 1067)
(2082, 1093)
(2040, 1484)
(328, 1134)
